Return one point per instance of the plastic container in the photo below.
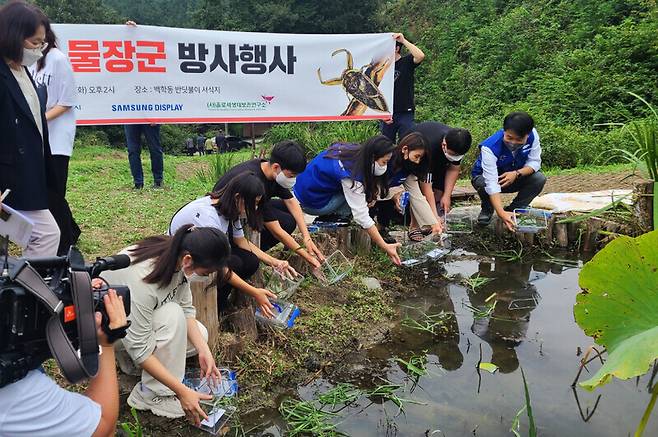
(313, 229)
(227, 387)
(404, 201)
(284, 315)
(415, 253)
(458, 223)
(531, 220)
(280, 284)
(334, 268)
(218, 416)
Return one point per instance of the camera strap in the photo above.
(75, 365)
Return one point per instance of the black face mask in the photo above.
(410, 166)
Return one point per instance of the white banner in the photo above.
(146, 74)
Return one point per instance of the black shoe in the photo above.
(157, 185)
(484, 218)
(388, 238)
(138, 186)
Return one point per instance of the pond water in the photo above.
(531, 327)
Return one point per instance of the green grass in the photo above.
(111, 214)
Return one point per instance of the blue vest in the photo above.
(316, 185)
(398, 178)
(506, 160)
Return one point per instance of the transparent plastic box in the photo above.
(280, 284)
(413, 254)
(218, 416)
(227, 387)
(531, 220)
(458, 223)
(285, 314)
(334, 268)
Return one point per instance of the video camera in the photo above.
(47, 309)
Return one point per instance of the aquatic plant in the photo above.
(388, 392)
(304, 418)
(516, 423)
(431, 323)
(618, 307)
(476, 281)
(415, 366)
(343, 393)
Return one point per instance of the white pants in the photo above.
(170, 332)
(45, 234)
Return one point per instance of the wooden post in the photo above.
(592, 234)
(204, 299)
(344, 240)
(550, 229)
(643, 195)
(361, 242)
(561, 235)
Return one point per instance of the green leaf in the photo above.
(489, 367)
(618, 306)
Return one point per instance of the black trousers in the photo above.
(59, 207)
(527, 187)
(242, 263)
(386, 213)
(276, 211)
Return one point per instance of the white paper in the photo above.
(17, 227)
(213, 417)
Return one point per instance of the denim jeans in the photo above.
(133, 138)
(336, 205)
(403, 123)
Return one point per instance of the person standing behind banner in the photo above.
(403, 91)
(25, 158)
(53, 76)
(220, 141)
(200, 144)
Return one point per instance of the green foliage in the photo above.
(218, 164)
(568, 63)
(157, 12)
(79, 11)
(618, 306)
(316, 137)
(133, 429)
(288, 16)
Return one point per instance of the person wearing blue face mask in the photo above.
(509, 162)
(345, 180)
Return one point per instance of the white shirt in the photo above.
(202, 213)
(56, 78)
(36, 406)
(490, 167)
(356, 199)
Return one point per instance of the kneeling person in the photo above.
(509, 162)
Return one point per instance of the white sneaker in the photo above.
(144, 399)
(126, 364)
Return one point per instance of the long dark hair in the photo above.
(209, 248)
(359, 161)
(249, 187)
(18, 21)
(51, 39)
(413, 141)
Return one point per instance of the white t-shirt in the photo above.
(56, 79)
(202, 213)
(36, 406)
(30, 95)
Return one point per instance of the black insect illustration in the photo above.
(361, 85)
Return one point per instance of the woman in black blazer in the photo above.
(24, 148)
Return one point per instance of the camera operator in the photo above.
(36, 406)
(25, 158)
(164, 329)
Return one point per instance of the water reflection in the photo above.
(515, 297)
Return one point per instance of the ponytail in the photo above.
(208, 247)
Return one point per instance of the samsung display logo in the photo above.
(147, 107)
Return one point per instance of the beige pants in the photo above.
(170, 332)
(420, 209)
(45, 234)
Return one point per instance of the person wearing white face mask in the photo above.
(281, 211)
(343, 180)
(25, 156)
(241, 198)
(448, 146)
(509, 162)
(164, 330)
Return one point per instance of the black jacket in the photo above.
(24, 156)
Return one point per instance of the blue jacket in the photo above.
(321, 180)
(25, 159)
(506, 160)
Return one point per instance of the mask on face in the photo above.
(30, 56)
(513, 147)
(450, 157)
(195, 277)
(378, 170)
(285, 181)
